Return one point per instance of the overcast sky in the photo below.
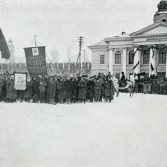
(58, 23)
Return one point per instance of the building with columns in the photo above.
(141, 51)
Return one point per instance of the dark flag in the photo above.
(36, 60)
(152, 68)
(136, 65)
(4, 47)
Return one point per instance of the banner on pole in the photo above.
(20, 80)
(36, 60)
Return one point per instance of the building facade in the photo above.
(142, 51)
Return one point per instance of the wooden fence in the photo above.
(52, 68)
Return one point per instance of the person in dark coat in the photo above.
(153, 87)
(51, 91)
(82, 90)
(61, 90)
(165, 87)
(77, 80)
(74, 90)
(42, 90)
(122, 81)
(11, 92)
(108, 90)
(90, 91)
(1, 87)
(46, 80)
(4, 87)
(98, 90)
(35, 89)
(28, 91)
(68, 90)
(56, 93)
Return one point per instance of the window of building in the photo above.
(162, 57)
(102, 57)
(117, 57)
(131, 57)
(146, 56)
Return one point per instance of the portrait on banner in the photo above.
(20, 80)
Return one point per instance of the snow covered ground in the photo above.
(129, 132)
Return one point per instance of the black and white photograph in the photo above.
(83, 83)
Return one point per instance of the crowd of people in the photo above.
(151, 85)
(58, 89)
(79, 89)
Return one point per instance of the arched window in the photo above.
(117, 57)
(162, 57)
(146, 55)
(131, 57)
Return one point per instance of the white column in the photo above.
(137, 61)
(152, 61)
(111, 59)
(124, 61)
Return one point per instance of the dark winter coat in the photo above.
(35, 86)
(51, 89)
(11, 92)
(90, 85)
(153, 87)
(165, 87)
(98, 88)
(82, 90)
(61, 89)
(108, 89)
(74, 89)
(42, 86)
(1, 86)
(68, 89)
(28, 91)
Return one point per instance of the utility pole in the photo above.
(80, 39)
(84, 56)
(85, 61)
(35, 40)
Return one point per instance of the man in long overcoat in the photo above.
(98, 90)
(35, 89)
(11, 92)
(68, 90)
(82, 90)
(61, 89)
(51, 91)
(108, 90)
(90, 91)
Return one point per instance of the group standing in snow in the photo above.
(58, 89)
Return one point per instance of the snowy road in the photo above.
(130, 132)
